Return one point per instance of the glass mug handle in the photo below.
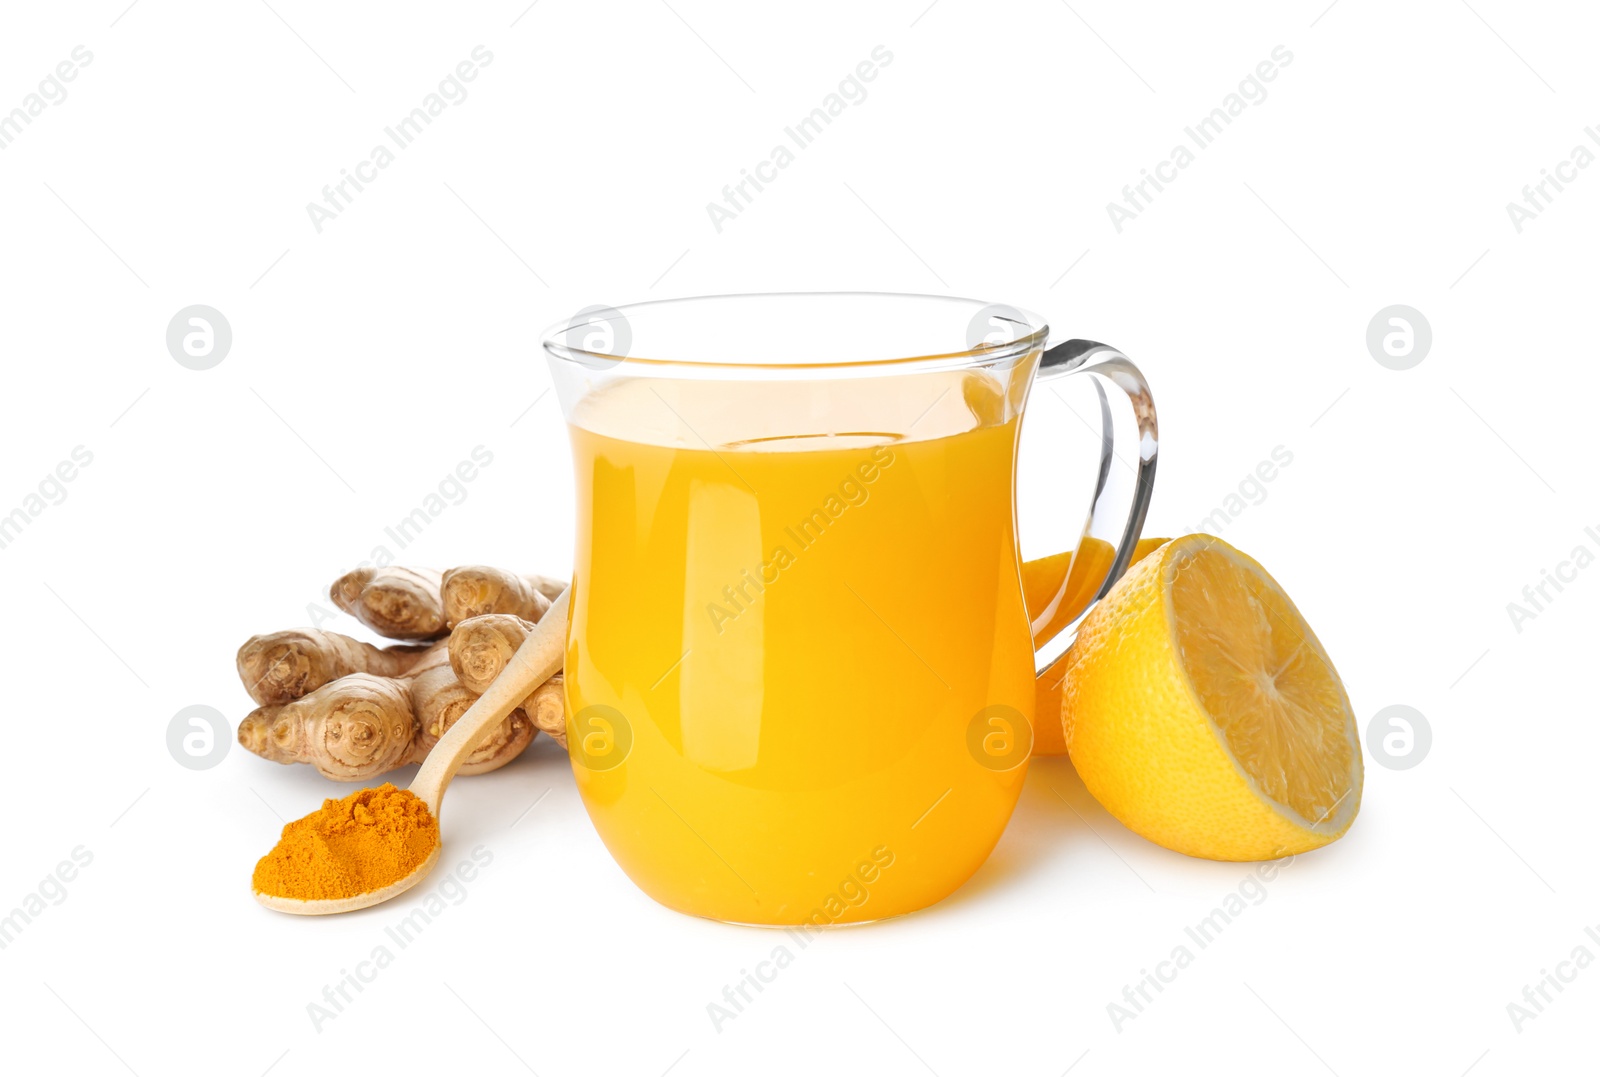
(1122, 489)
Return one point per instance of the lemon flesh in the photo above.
(1201, 710)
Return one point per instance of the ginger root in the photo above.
(547, 709)
(354, 728)
(473, 590)
(355, 711)
(282, 666)
(400, 603)
(479, 649)
(361, 726)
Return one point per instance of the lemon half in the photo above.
(1075, 577)
(1201, 710)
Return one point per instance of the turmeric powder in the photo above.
(364, 842)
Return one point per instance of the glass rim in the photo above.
(1032, 333)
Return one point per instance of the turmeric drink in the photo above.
(799, 670)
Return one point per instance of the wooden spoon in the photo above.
(539, 657)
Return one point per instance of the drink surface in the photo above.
(780, 646)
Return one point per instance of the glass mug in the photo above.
(800, 668)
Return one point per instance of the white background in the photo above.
(369, 359)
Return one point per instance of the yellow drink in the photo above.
(797, 667)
